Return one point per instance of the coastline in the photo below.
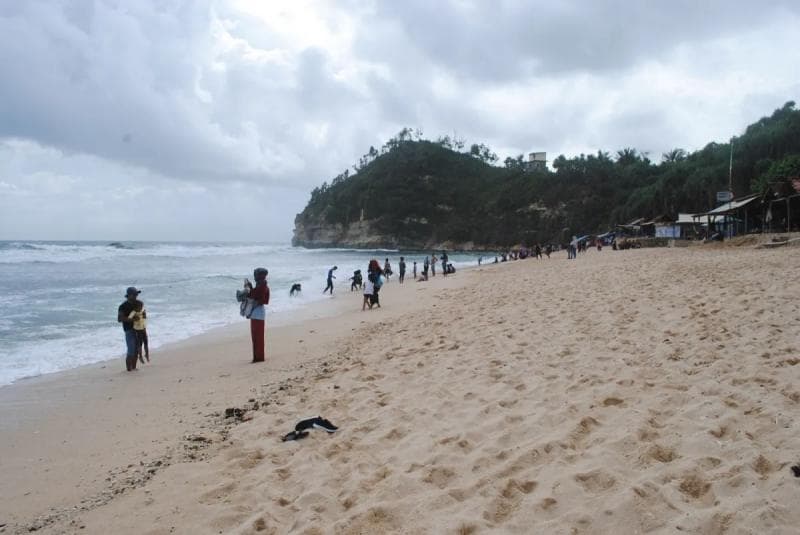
(95, 411)
(651, 388)
(78, 326)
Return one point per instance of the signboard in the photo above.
(668, 231)
(724, 196)
(537, 157)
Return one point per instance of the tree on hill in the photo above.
(417, 191)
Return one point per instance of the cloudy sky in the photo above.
(213, 119)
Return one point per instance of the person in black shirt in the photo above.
(402, 270)
(123, 313)
(331, 276)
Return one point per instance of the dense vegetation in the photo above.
(421, 191)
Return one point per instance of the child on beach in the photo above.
(139, 317)
(369, 289)
(356, 281)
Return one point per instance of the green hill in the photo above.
(418, 193)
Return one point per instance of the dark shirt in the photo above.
(330, 275)
(125, 309)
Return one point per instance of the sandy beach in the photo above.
(642, 391)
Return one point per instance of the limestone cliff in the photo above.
(365, 235)
(359, 235)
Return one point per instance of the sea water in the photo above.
(59, 300)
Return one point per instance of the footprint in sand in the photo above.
(283, 473)
(763, 466)
(596, 481)
(260, 525)
(374, 520)
(467, 529)
(439, 476)
(504, 505)
(548, 503)
(581, 431)
(348, 503)
(661, 454)
(396, 434)
(217, 494)
(695, 487)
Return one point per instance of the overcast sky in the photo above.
(213, 120)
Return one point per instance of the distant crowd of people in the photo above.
(254, 297)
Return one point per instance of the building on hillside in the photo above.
(536, 160)
(691, 228)
(632, 228)
(781, 206)
(739, 216)
(662, 226)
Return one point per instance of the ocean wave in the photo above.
(19, 246)
(328, 250)
(65, 252)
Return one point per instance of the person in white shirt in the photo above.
(369, 288)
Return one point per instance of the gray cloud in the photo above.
(509, 39)
(253, 104)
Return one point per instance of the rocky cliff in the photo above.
(359, 235)
(364, 235)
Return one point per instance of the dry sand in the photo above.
(648, 391)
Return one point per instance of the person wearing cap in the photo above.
(260, 294)
(123, 316)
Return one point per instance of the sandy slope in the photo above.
(651, 391)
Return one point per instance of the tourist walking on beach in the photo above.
(260, 294)
(444, 263)
(124, 317)
(425, 267)
(375, 275)
(387, 269)
(433, 265)
(331, 276)
(402, 269)
(414, 272)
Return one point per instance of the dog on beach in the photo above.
(296, 289)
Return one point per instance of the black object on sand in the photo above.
(300, 429)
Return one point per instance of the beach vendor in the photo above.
(124, 317)
(260, 294)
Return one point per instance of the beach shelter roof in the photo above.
(659, 220)
(685, 219)
(732, 206)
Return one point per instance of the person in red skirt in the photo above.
(260, 294)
